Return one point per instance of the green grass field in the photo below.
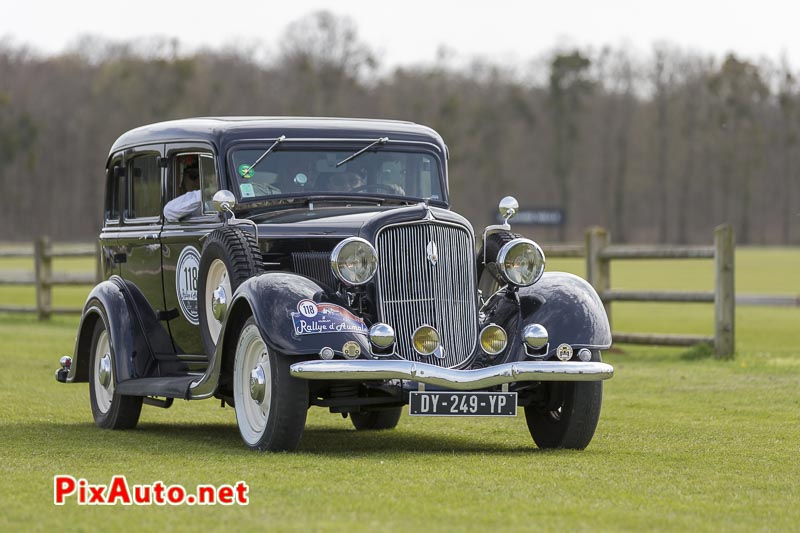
(684, 441)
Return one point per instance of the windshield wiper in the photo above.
(382, 140)
(265, 154)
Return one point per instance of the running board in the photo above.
(169, 387)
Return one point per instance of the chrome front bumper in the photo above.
(453, 379)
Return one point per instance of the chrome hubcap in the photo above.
(105, 371)
(258, 384)
(217, 290)
(219, 303)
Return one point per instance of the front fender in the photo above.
(132, 326)
(272, 299)
(565, 304)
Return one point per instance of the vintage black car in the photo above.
(281, 263)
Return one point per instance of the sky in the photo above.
(411, 32)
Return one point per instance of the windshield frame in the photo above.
(331, 144)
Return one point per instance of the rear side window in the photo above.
(115, 187)
(145, 187)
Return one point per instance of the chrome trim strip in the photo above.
(451, 378)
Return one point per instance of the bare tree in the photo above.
(569, 84)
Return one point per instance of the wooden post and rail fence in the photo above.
(43, 277)
(598, 251)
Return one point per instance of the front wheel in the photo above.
(270, 404)
(110, 409)
(567, 415)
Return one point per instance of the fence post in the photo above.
(598, 271)
(43, 264)
(724, 292)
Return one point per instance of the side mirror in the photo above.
(223, 201)
(508, 208)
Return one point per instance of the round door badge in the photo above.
(186, 283)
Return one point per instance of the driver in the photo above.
(346, 181)
(189, 203)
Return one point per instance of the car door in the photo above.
(182, 240)
(138, 249)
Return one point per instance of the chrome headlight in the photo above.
(521, 262)
(354, 261)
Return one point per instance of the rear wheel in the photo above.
(270, 404)
(567, 417)
(230, 256)
(376, 420)
(110, 410)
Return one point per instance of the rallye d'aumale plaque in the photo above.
(314, 318)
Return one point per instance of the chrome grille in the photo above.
(413, 291)
(316, 265)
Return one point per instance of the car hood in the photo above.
(343, 221)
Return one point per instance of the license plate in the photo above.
(463, 404)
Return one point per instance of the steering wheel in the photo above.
(377, 187)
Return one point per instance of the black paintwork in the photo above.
(138, 301)
(222, 132)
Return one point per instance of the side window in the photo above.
(195, 171)
(187, 174)
(144, 198)
(114, 188)
(209, 182)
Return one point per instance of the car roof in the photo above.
(222, 131)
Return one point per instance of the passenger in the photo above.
(189, 203)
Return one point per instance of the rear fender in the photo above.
(133, 328)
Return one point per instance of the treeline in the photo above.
(660, 148)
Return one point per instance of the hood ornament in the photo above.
(432, 252)
(428, 212)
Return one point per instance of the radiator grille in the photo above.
(413, 291)
(315, 265)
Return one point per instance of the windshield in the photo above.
(412, 175)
